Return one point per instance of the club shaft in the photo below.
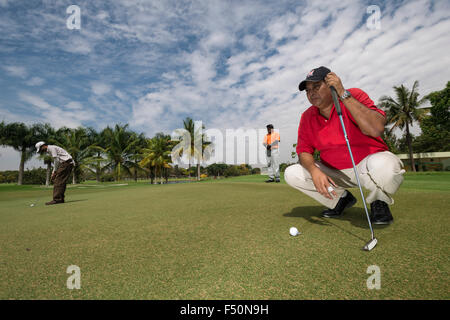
(339, 111)
(357, 176)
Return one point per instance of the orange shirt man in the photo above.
(271, 142)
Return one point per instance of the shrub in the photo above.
(107, 177)
(35, 176)
(232, 171)
(9, 177)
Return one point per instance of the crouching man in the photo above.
(63, 165)
(326, 181)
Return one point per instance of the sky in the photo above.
(230, 64)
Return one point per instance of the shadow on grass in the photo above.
(76, 200)
(313, 214)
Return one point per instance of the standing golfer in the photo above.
(271, 141)
(63, 165)
(380, 171)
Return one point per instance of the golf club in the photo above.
(373, 242)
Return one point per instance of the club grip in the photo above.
(336, 100)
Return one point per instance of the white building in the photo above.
(427, 161)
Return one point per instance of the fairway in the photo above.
(225, 239)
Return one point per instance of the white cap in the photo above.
(39, 145)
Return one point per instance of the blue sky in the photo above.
(230, 64)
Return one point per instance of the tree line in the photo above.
(40, 175)
(110, 154)
(118, 151)
(405, 108)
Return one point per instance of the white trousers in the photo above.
(381, 173)
(273, 163)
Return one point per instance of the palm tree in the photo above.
(121, 143)
(206, 152)
(76, 143)
(22, 138)
(157, 155)
(188, 125)
(136, 157)
(96, 161)
(391, 140)
(48, 160)
(2, 133)
(197, 138)
(403, 111)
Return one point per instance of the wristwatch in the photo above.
(346, 95)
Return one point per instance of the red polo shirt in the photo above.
(315, 132)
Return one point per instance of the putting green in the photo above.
(225, 239)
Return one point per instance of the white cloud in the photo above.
(258, 88)
(56, 116)
(119, 94)
(102, 15)
(100, 88)
(17, 71)
(74, 105)
(35, 81)
(4, 3)
(9, 116)
(76, 44)
(35, 101)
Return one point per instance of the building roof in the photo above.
(425, 155)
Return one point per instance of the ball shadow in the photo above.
(313, 214)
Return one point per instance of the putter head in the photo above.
(371, 244)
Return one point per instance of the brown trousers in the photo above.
(60, 180)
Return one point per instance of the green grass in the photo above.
(219, 239)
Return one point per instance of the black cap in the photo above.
(314, 75)
(269, 126)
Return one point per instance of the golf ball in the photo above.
(32, 205)
(293, 231)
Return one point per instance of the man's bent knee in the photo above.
(294, 173)
(386, 170)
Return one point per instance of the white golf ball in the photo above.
(32, 205)
(293, 231)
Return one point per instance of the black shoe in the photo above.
(380, 213)
(348, 201)
(277, 180)
(53, 202)
(270, 180)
